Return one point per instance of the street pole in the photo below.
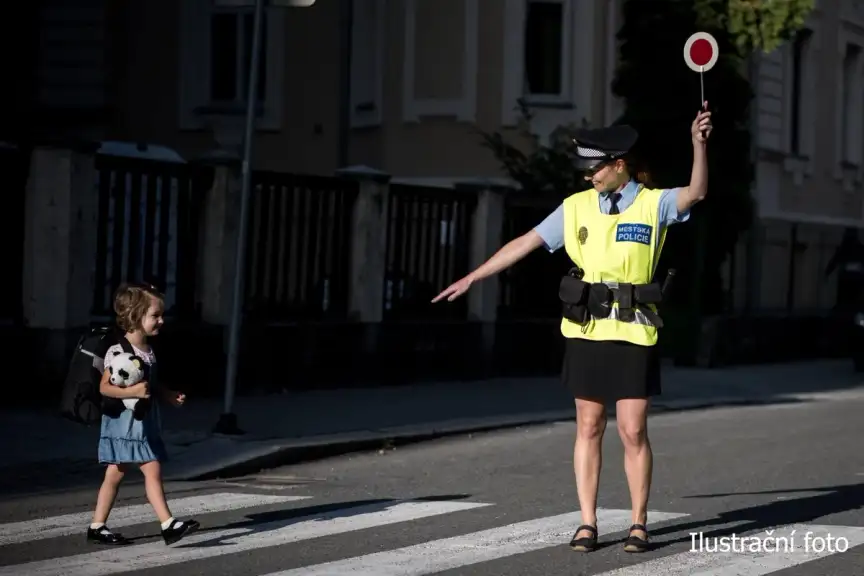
(227, 423)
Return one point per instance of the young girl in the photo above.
(125, 440)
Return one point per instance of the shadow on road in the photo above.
(830, 500)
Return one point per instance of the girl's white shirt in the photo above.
(148, 357)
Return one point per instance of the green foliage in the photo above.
(543, 169)
(662, 97)
(754, 24)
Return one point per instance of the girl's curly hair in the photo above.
(131, 302)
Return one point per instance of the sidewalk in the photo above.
(287, 428)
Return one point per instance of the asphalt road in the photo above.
(498, 504)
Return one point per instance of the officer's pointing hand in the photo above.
(454, 290)
(701, 127)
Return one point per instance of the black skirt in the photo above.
(607, 371)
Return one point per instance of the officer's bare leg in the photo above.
(590, 425)
(632, 417)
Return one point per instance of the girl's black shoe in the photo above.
(634, 543)
(178, 529)
(104, 536)
(586, 543)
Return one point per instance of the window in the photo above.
(851, 104)
(215, 49)
(799, 51)
(547, 53)
(231, 30)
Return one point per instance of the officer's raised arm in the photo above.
(698, 188)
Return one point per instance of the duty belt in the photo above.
(584, 300)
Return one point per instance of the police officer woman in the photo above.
(614, 234)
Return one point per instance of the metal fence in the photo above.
(299, 250)
(148, 229)
(528, 290)
(428, 248)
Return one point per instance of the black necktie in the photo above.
(614, 198)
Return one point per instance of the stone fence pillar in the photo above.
(61, 213)
(487, 225)
(220, 225)
(368, 250)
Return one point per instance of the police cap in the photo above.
(597, 146)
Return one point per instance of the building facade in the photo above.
(401, 85)
(404, 99)
(810, 162)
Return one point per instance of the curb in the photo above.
(267, 454)
(723, 402)
(276, 453)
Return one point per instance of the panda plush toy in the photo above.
(127, 370)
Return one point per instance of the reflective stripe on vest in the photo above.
(614, 248)
(638, 316)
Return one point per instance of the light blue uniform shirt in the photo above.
(551, 230)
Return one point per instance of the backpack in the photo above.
(81, 401)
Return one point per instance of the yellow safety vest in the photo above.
(613, 248)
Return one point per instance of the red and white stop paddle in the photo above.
(700, 54)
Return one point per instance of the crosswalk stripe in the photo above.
(483, 546)
(68, 524)
(759, 554)
(236, 540)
